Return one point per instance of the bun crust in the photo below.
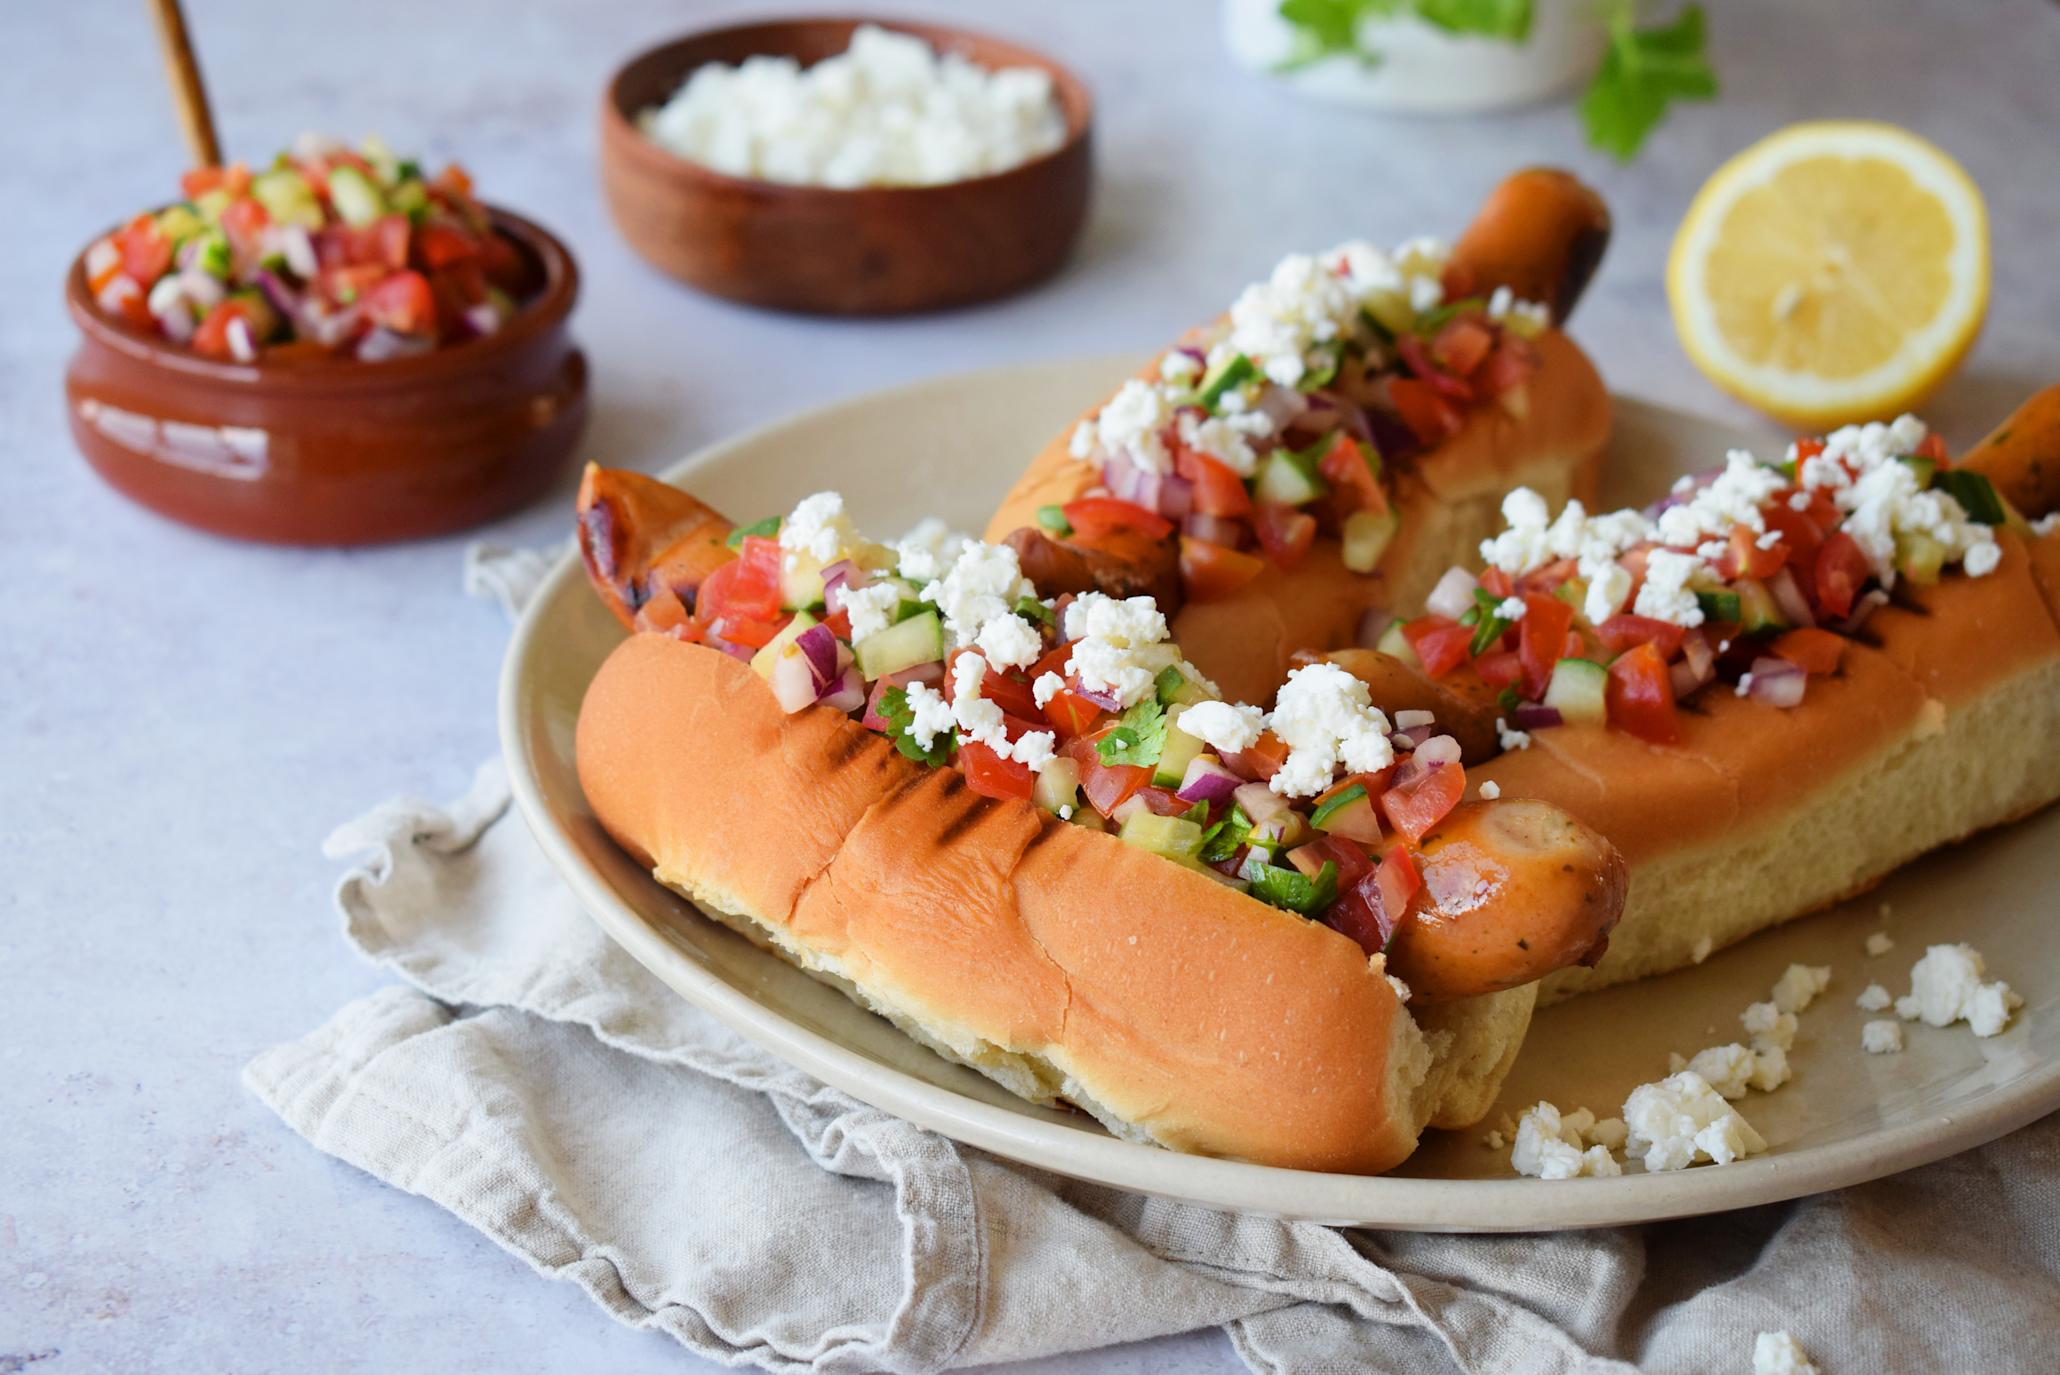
(1058, 960)
(1449, 500)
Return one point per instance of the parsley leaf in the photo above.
(763, 529)
(1644, 71)
(901, 719)
(1138, 739)
(1508, 20)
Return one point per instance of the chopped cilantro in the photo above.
(763, 529)
(1643, 72)
(1138, 738)
(1222, 840)
(901, 719)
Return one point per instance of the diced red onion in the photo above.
(177, 322)
(714, 640)
(1789, 598)
(1373, 625)
(1777, 682)
(1207, 781)
(1407, 740)
(1101, 697)
(201, 289)
(872, 720)
(1259, 801)
(846, 693)
(483, 319)
(1439, 749)
(792, 684)
(1281, 404)
(382, 343)
(1307, 858)
(298, 249)
(1193, 353)
(819, 648)
(1329, 410)
(1865, 607)
(1695, 649)
(330, 328)
(1687, 677)
(1176, 497)
(839, 577)
(1223, 530)
(1534, 716)
(1128, 482)
(1128, 808)
(1453, 596)
(284, 298)
(845, 658)
(932, 673)
(242, 342)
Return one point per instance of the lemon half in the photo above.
(1832, 272)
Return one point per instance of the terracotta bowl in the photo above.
(866, 251)
(335, 450)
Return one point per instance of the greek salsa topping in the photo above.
(1750, 575)
(329, 251)
(1274, 424)
(1083, 706)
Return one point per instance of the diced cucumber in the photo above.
(1395, 645)
(1975, 493)
(1053, 518)
(1579, 691)
(1919, 557)
(288, 198)
(1289, 478)
(1175, 837)
(1341, 808)
(1234, 373)
(357, 198)
(1324, 370)
(1058, 786)
(211, 254)
(1180, 749)
(1574, 592)
(1176, 689)
(917, 640)
(211, 204)
(1924, 469)
(1757, 609)
(178, 223)
(1291, 888)
(1282, 831)
(762, 662)
(1365, 538)
(1719, 604)
(801, 581)
(411, 198)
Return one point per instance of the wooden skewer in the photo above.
(189, 92)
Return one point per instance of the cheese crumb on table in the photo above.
(1555, 1145)
(1879, 944)
(1799, 986)
(1947, 986)
(1777, 1353)
(1491, 790)
(1682, 1120)
(1874, 998)
(1881, 1037)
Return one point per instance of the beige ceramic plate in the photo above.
(951, 447)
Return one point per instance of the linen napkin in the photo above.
(537, 1082)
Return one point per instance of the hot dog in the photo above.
(1406, 424)
(1879, 678)
(945, 838)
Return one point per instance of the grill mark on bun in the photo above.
(970, 815)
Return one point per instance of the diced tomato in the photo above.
(1934, 448)
(739, 589)
(1106, 786)
(1499, 667)
(750, 631)
(146, 251)
(1092, 516)
(1162, 802)
(666, 614)
(1744, 557)
(1641, 696)
(989, 775)
(1349, 467)
(1550, 578)
(402, 303)
(387, 238)
(1620, 633)
(243, 221)
(1541, 639)
(1218, 490)
(211, 339)
(1351, 858)
(1805, 450)
(1810, 649)
(1011, 694)
(1418, 361)
(1068, 713)
(1209, 570)
(1497, 583)
(1463, 345)
(1841, 571)
(1800, 534)
(1440, 644)
(1398, 882)
(1285, 533)
(454, 179)
(1261, 761)
(1419, 800)
(1371, 909)
(1508, 367)
(443, 245)
(1430, 417)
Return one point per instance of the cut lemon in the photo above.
(1832, 272)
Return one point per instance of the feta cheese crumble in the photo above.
(983, 584)
(1491, 790)
(888, 111)
(932, 715)
(1861, 470)
(1874, 998)
(1119, 645)
(1879, 943)
(1555, 1145)
(1511, 739)
(1776, 1353)
(1881, 1037)
(1799, 986)
(871, 609)
(1947, 986)
(980, 721)
(1226, 727)
(928, 550)
(1681, 1120)
(1326, 718)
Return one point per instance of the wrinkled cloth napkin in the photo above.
(536, 1081)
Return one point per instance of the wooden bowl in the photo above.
(335, 450)
(864, 251)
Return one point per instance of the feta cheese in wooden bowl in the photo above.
(848, 167)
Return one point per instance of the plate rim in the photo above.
(1398, 1203)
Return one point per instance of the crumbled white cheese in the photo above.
(1226, 727)
(1681, 1120)
(1510, 608)
(1119, 645)
(2046, 524)
(932, 715)
(1768, 1023)
(1010, 642)
(1732, 498)
(1770, 1068)
(1033, 749)
(819, 531)
(1495, 1141)
(871, 608)
(1744, 688)
(1879, 943)
(1727, 1069)
(1881, 498)
(983, 583)
(1132, 423)
(928, 550)
(1179, 367)
(1409, 718)
(1552, 1145)
(1399, 989)
(1947, 986)
(980, 720)
(1491, 790)
(1799, 986)
(1666, 594)
(1874, 998)
(1226, 438)
(1881, 1037)
(888, 111)
(1530, 542)
(1047, 686)
(1326, 718)
(1776, 1353)
(1511, 739)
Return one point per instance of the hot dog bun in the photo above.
(1449, 500)
(1057, 960)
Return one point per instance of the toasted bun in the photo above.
(1449, 500)
(1059, 961)
(1944, 719)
